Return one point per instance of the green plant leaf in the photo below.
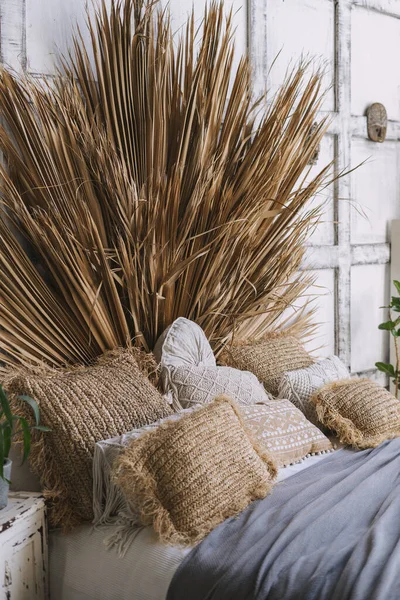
(1, 453)
(397, 285)
(7, 441)
(41, 428)
(386, 368)
(5, 405)
(27, 438)
(388, 325)
(395, 304)
(33, 404)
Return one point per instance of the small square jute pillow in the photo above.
(187, 476)
(362, 413)
(268, 358)
(283, 431)
(81, 406)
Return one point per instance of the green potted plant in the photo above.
(393, 326)
(12, 425)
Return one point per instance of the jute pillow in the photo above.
(187, 476)
(81, 406)
(300, 385)
(283, 431)
(268, 358)
(362, 413)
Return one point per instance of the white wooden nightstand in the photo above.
(23, 548)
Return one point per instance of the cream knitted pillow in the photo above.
(362, 413)
(283, 431)
(191, 384)
(184, 343)
(300, 385)
(187, 476)
(268, 358)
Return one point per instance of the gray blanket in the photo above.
(329, 532)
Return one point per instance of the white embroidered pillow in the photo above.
(299, 386)
(108, 501)
(282, 430)
(191, 384)
(184, 343)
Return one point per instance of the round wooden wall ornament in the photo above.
(377, 122)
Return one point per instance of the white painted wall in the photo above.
(357, 41)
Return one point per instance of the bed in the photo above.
(81, 568)
(331, 532)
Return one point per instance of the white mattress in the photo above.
(81, 568)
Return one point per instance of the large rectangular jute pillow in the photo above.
(283, 431)
(187, 476)
(268, 358)
(81, 406)
(362, 413)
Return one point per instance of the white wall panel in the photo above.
(301, 28)
(375, 44)
(375, 190)
(50, 23)
(325, 231)
(369, 292)
(323, 343)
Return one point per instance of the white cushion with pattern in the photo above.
(300, 385)
(191, 384)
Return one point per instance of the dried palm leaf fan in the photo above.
(139, 189)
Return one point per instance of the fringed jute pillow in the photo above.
(362, 413)
(283, 431)
(81, 406)
(187, 476)
(268, 358)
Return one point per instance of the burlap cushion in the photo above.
(82, 406)
(187, 476)
(191, 384)
(300, 385)
(268, 358)
(362, 413)
(283, 431)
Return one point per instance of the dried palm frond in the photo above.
(145, 184)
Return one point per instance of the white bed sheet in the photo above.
(81, 568)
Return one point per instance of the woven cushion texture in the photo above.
(362, 413)
(190, 384)
(268, 358)
(300, 385)
(189, 475)
(283, 431)
(82, 406)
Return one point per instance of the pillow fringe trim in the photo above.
(151, 510)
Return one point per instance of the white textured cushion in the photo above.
(184, 343)
(300, 385)
(191, 384)
(108, 501)
(282, 430)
